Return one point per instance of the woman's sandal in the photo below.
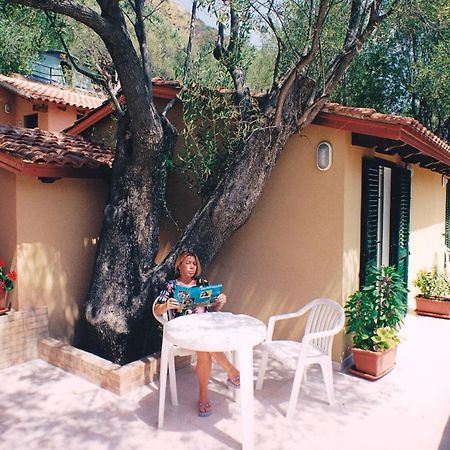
(234, 382)
(204, 409)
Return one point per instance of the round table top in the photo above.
(215, 331)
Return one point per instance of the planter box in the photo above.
(374, 364)
(433, 307)
(3, 306)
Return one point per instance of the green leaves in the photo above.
(405, 69)
(376, 312)
(24, 33)
(213, 134)
(432, 283)
(385, 338)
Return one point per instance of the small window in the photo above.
(30, 121)
(447, 215)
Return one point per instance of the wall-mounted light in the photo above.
(324, 156)
(7, 108)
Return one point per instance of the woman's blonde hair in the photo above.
(181, 257)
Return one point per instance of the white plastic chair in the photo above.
(326, 318)
(173, 351)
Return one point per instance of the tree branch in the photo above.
(338, 67)
(94, 77)
(70, 8)
(287, 81)
(187, 61)
(139, 28)
(228, 59)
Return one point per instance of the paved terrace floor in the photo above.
(43, 407)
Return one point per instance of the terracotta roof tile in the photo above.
(39, 147)
(162, 89)
(34, 90)
(373, 115)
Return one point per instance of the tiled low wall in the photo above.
(20, 332)
(103, 373)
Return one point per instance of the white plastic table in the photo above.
(217, 332)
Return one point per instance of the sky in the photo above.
(211, 21)
(201, 14)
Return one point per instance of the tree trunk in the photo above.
(125, 279)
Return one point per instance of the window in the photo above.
(30, 121)
(447, 215)
(385, 206)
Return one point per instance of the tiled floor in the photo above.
(42, 407)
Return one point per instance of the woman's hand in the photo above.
(220, 301)
(172, 304)
(162, 308)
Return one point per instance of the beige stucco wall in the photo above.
(8, 225)
(57, 228)
(427, 224)
(7, 98)
(303, 239)
(302, 234)
(56, 118)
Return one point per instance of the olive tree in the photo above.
(306, 70)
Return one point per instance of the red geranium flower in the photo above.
(12, 275)
(2, 263)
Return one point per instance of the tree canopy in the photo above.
(405, 69)
(24, 33)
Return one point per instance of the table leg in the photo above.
(236, 363)
(247, 409)
(163, 380)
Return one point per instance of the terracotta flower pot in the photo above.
(433, 307)
(375, 364)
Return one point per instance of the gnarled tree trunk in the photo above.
(126, 279)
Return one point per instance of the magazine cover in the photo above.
(198, 295)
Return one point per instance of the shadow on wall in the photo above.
(49, 277)
(261, 295)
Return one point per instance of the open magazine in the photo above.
(191, 297)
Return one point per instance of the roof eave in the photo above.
(15, 90)
(162, 92)
(43, 170)
(395, 131)
(357, 125)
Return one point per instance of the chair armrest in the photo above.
(278, 317)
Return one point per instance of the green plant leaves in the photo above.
(375, 313)
(432, 283)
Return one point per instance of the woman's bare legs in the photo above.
(203, 371)
(225, 364)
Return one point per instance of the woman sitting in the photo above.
(187, 271)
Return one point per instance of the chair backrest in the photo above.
(325, 315)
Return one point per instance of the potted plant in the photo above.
(6, 284)
(434, 297)
(375, 314)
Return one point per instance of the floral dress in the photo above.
(168, 291)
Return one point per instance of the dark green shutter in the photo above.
(369, 216)
(447, 215)
(400, 215)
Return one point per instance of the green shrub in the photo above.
(432, 283)
(375, 313)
